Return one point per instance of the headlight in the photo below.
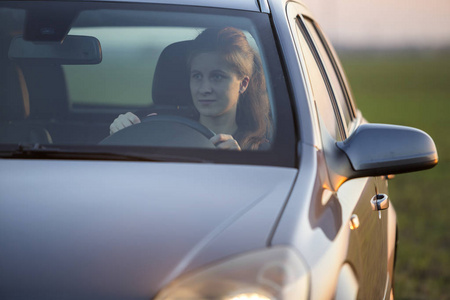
(275, 273)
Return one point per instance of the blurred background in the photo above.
(396, 55)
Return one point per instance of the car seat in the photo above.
(170, 89)
(15, 126)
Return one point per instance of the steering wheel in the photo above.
(163, 131)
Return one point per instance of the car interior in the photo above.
(33, 114)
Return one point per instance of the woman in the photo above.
(228, 90)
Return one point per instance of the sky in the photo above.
(381, 24)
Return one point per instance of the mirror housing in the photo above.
(379, 149)
(73, 50)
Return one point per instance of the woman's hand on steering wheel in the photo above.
(225, 141)
(123, 121)
(221, 141)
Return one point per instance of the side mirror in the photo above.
(377, 149)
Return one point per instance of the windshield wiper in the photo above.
(38, 151)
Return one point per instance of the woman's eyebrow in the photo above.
(210, 72)
(219, 71)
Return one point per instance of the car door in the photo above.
(367, 245)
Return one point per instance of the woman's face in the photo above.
(215, 87)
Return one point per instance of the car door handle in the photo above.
(379, 202)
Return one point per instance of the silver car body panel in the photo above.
(328, 254)
(90, 226)
(304, 104)
(326, 259)
(264, 5)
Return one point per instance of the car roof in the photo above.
(250, 5)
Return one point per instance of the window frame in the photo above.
(337, 67)
(299, 22)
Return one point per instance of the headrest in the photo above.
(47, 89)
(171, 79)
(12, 102)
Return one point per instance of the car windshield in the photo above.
(142, 79)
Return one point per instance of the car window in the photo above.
(319, 84)
(330, 67)
(142, 59)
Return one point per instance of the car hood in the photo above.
(99, 229)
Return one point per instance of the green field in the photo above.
(413, 90)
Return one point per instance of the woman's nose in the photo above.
(205, 87)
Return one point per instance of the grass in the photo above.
(413, 90)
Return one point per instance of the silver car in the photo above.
(130, 169)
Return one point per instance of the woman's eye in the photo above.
(217, 77)
(196, 76)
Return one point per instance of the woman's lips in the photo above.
(206, 101)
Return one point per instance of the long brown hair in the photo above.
(253, 110)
